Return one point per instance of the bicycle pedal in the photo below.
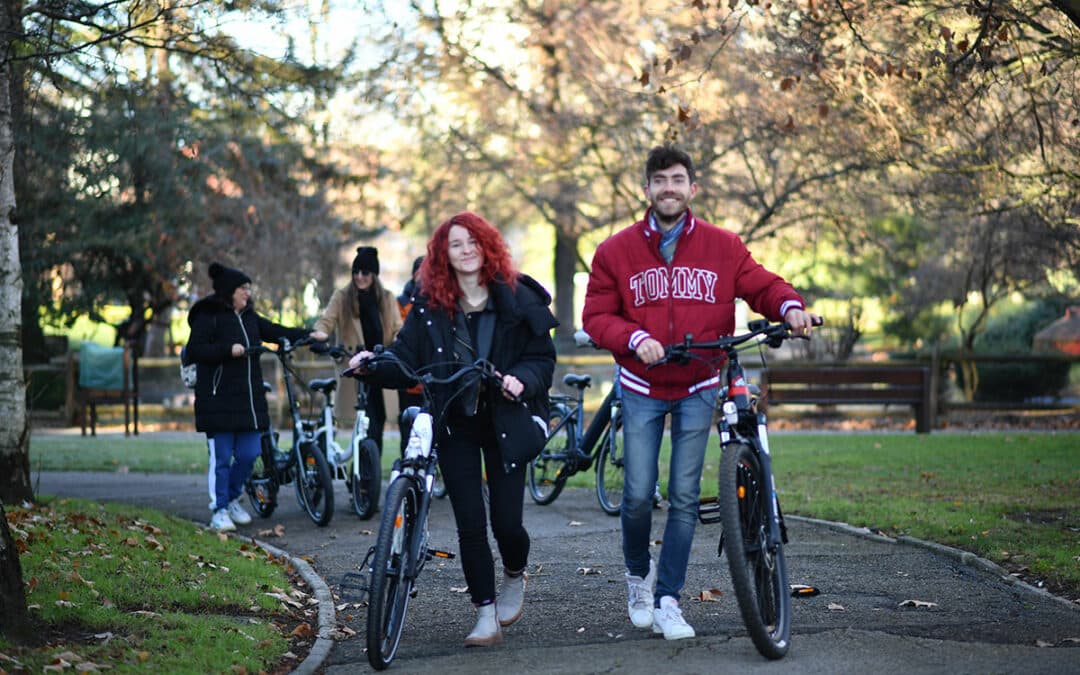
(436, 553)
(354, 587)
(803, 591)
(709, 510)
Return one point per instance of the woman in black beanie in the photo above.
(230, 403)
(361, 315)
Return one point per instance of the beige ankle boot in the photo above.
(487, 631)
(511, 598)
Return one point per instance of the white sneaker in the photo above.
(668, 620)
(238, 514)
(640, 593)
(222, 522)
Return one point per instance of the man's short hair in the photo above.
(664, 157)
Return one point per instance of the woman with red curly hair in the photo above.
(474, 305)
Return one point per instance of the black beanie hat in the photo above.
(226, 279)
(366, 260)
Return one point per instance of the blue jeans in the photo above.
(643, 429)
(232, 454)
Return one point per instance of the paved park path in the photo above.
(981, 621)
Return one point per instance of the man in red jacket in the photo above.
(651, 283)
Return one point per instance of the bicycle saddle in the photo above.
(575, 380)
(325, 385)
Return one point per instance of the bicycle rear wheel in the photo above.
(365, 488)
(391, 585)
(758, 570)
(548, 472)
(609, 468)
(314, 484)
(262, 485)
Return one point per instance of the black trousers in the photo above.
(466, 457)
(376, 412)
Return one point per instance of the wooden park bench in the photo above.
(853, 385)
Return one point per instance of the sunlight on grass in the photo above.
(126, 577)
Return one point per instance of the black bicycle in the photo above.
(401, 549)
(570, 450)
(303, 462)
(572, 447)
(754, 533)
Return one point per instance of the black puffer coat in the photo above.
(521, 346)
(229, 393)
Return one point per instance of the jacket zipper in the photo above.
(251, 394)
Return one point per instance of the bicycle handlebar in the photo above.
(486, 369)
(284, 345)
(774, 333)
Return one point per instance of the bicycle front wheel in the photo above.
(314, 484)
(365, 488)
(548, 472)
(391, 585)
(758, 569)
(609, 468)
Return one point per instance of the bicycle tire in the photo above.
(609, 467)
(314, 484)
(365, 488)
(391, 587)
(261, 485)
(759, 576)
(548, 472)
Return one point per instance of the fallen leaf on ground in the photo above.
(303, 630)
(835, 607)
(711, 595)
(575, 523)
(588, 570)
(458, 589)
(918, 603)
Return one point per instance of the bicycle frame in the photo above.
(741, 422)
(584, 444)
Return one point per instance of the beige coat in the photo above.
(341, 320)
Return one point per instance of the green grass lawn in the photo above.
(130, 590)
(1009, 497)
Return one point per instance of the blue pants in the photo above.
(643, 429)
(232, 454)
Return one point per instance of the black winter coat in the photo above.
(229, 393)
(521, 346)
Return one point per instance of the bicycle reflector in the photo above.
(804, 591)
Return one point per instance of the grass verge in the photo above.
(133, 590)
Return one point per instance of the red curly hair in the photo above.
(437, 278)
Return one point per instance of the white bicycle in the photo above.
(359, 464)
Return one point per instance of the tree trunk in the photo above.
(566, 258)
(14, 432)
(13, 616)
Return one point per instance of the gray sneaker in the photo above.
(640, 594)
(668, 620)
